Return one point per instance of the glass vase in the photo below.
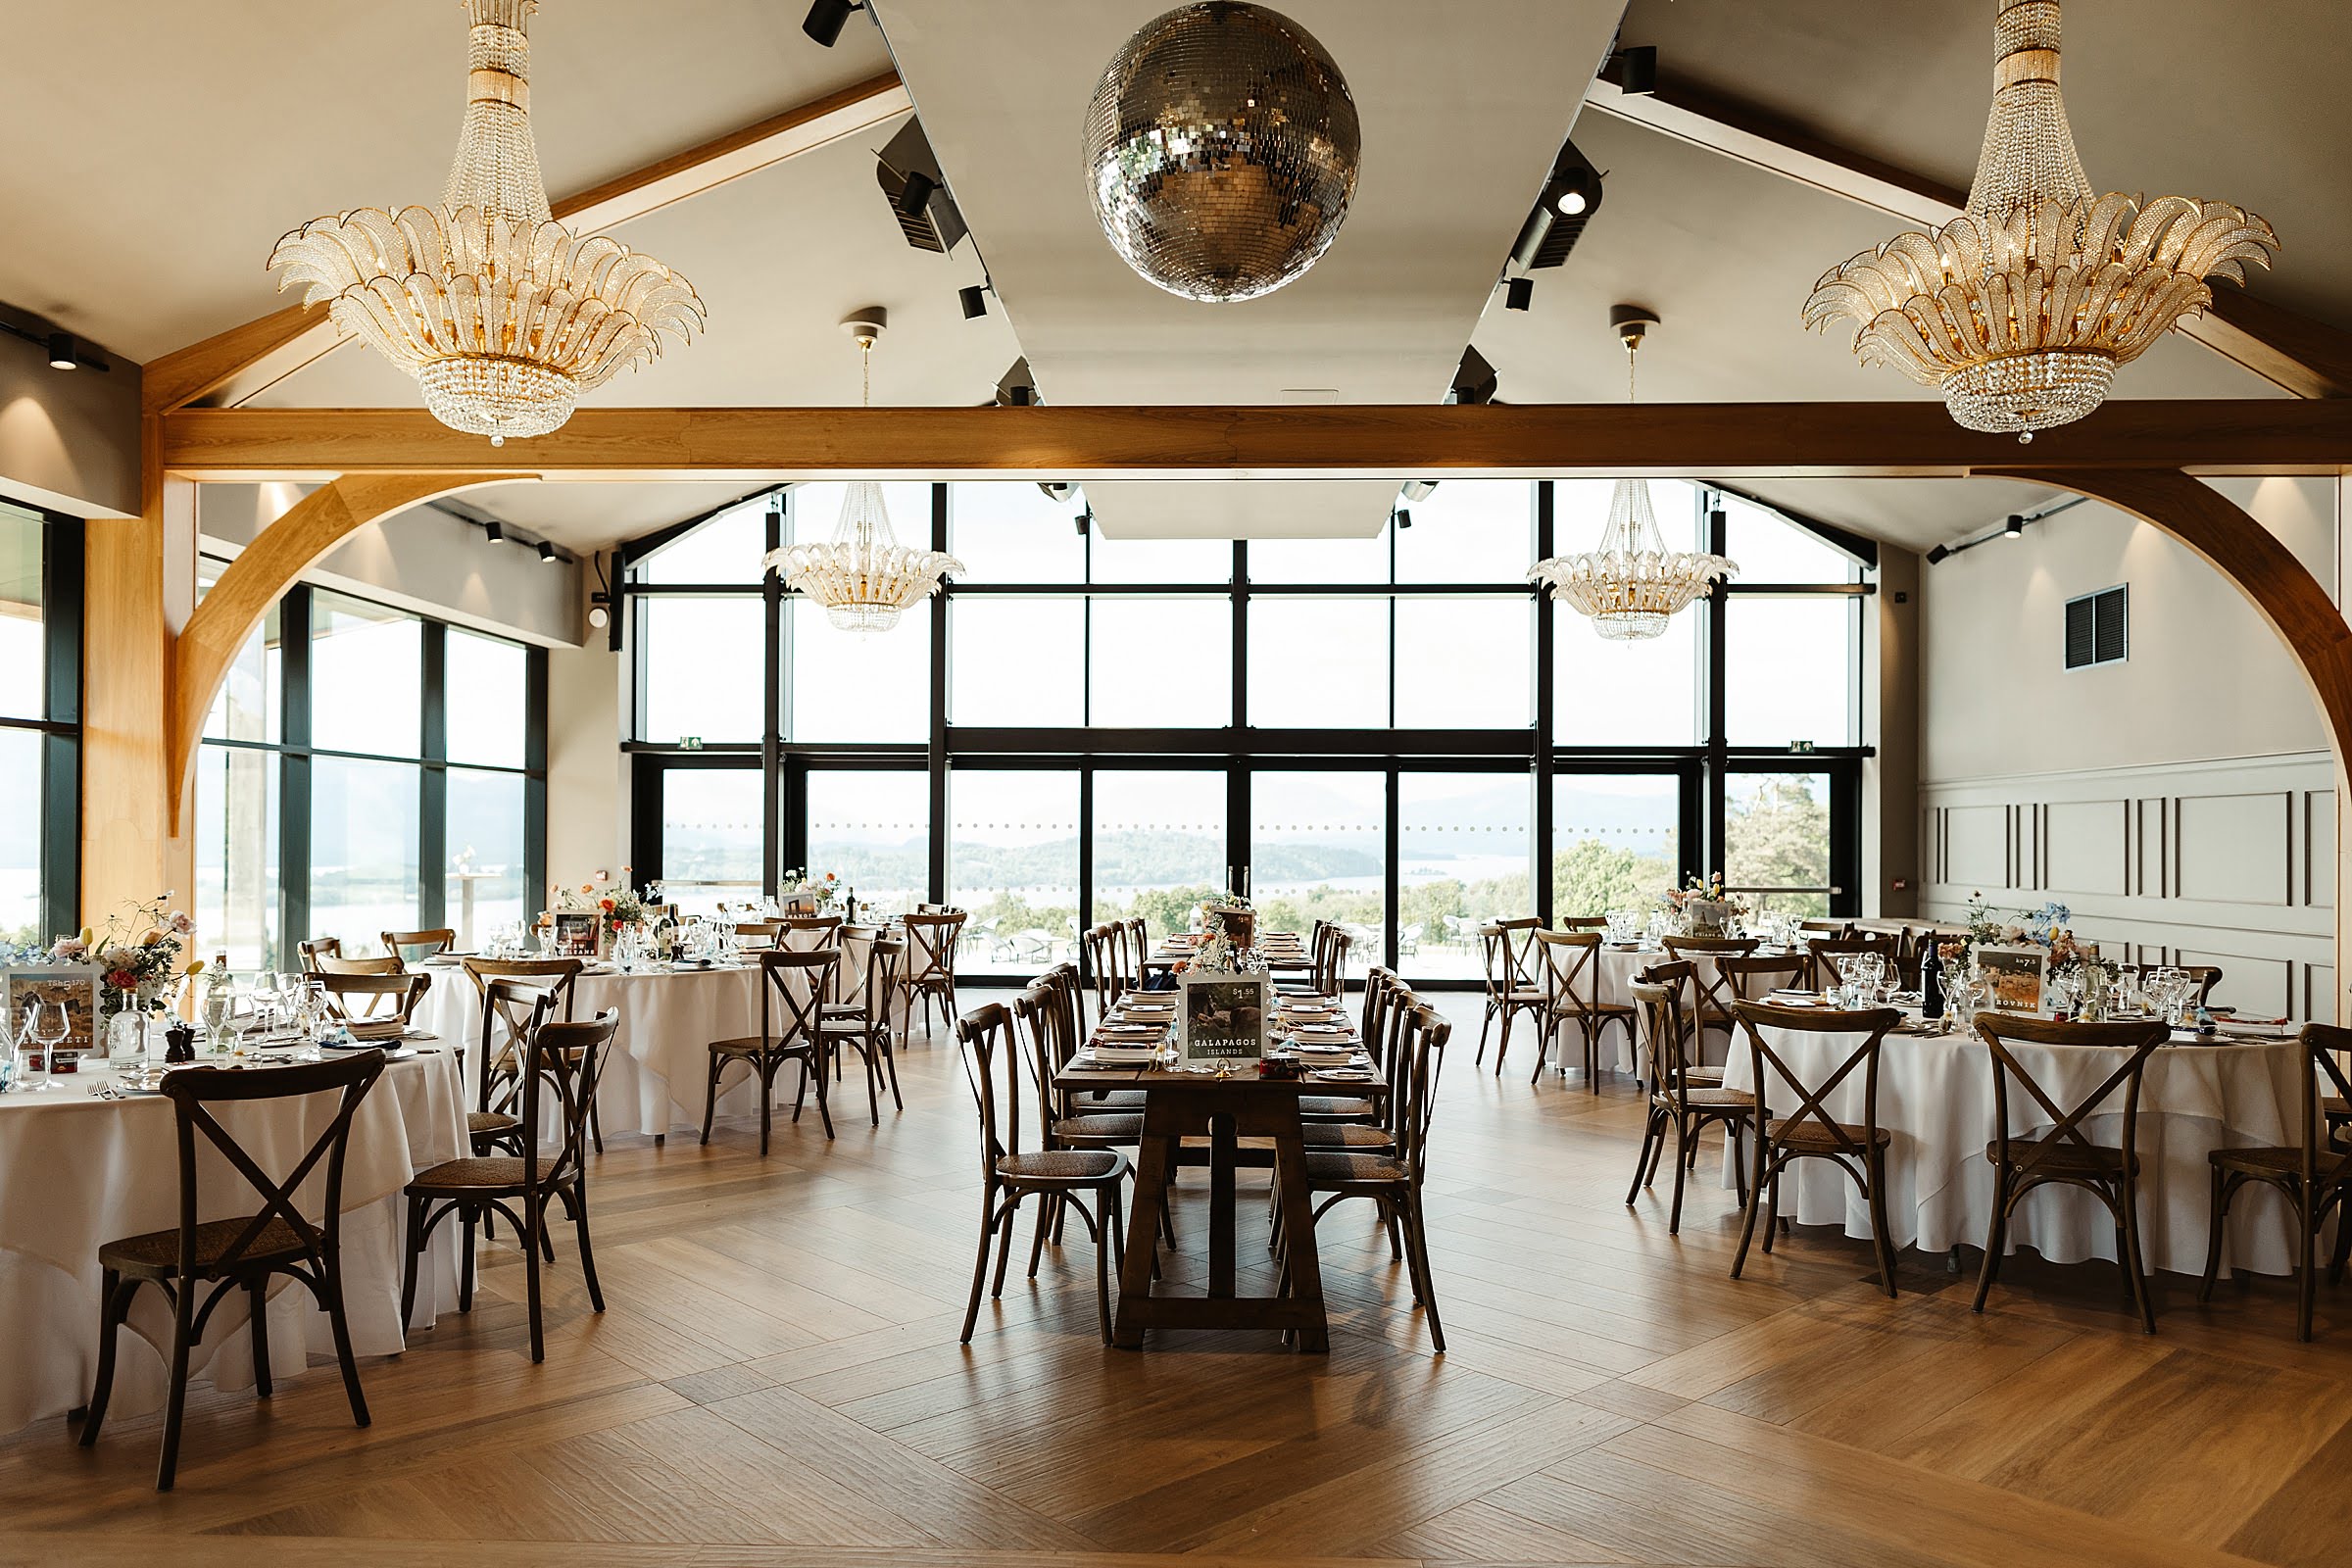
(127, 1037)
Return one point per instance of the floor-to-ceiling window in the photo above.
(363, 770)
(1394, 733)
(40, 705)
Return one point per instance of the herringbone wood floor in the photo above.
(778, 1379)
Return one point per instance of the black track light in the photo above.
(1573, 192)
(495, 532)
(974, 298)
(1636, 69)
(1519, 294)
(916, 195)
(1022, 395)
(1404, 518)
(1086, 519)
(2014, 528)
(547, 554)
(1937, 554)
(61, 353)
(826, 19)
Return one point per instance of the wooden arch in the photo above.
(208, 644)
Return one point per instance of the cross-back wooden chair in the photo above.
(1711, 995)
(560, 1063)
(317, 947)
(1048, 1012)
(1329, 975)
(2314, 1176)
(198, 1264)
(1107, 961)
(1387, 1003)
(1139, 947)
(1568, 963)
(1832, 929)
(1011, 1174)
(415, 947)
(1502, 949)
(327, 963)
(1581, 922)
(930, 972)
(1754, 979)
(1829, 956)
(379, 1005)
(493, 1123)
(2065, 1156)
(1392, 1180)
(758, 933)
(867, 1030)
(1677, 1101)
(792, 993)
(1809, 1131)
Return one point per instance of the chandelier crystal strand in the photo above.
(2020, 310)
(1632, 584)
(502, 315)
(862, 575)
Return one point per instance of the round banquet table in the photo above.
(654, 1074)
(1935, 1100)
(77, 1171)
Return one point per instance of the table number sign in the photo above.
(1221, 1017)
(74, 986)
(2016, 975)
(575, 933)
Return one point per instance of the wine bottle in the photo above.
(1931, 982)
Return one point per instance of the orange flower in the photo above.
(605, 905)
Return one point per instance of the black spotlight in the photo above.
(1022, 395)
(1574, 191)
(547, 554)
(826, 19)
(1519, 294)
(916, 195)
(495, 532)
(1636, 69)
(1937, 554)
(974, 298)
(1086, 518)
(2014, 528)
(1404, 518)
(61, 352)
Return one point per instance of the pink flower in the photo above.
(181, 923)
(69, 950)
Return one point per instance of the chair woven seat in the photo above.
(1711, 1099)
(1347, 1135)
(1333, 1107)
(743, 1045)
(1326, 1169)
(1107, 1128)
(157, 1253)
(2062, 1156)
(1811, 1134)
(2261, 1160)
(478, 1122)
(1073, 1165)
(482, 1173)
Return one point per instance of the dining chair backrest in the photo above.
(1568, 970)
(1663, 1040)
(858, 962)
(758, 933)
(1756, 979)
(1328, 973)
(1420, 1051)
(1106, 961)
(1582, 922)
(195, 1091)
(1138, 947)
(991, 1066)
(317, 947)
(326, 963)
(558, 976)
(808, 932)
(1044, 1019)
(366, 998)
(931, 939)
(567, 1060)
(1828, 928)
(792, 987)
(513, 1009)
(1711, 996)
(2124, 1045)
(415, 947)
(2330, 1047)
(1502, 949)
(884, 953)
(1829, 956)
(1866, 1029)
(1380, 985)
(1677, 975)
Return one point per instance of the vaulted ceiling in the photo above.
(144, 220)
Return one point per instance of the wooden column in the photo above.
(139, 584)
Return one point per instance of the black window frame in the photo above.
(59, 723)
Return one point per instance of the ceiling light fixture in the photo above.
(1518, 293)
(1403, 516)
(61, 353)
(1632, 585)
(862, 575)
(547, 554)
(2014, 528)
(974, 299)
(1636, 69)
(826, 19)
(495, 532)
(1221, 151)
(2021, 308)
(502, 315)
(1574, 191)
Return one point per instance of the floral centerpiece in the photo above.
(137, 958)
(617, 906)
(825, 888)
(1232, 915)
(1702, 908)
(2070, 958)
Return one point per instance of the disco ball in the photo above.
(1221, 151)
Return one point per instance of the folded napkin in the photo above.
(376, 1028)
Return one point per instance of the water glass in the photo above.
(46, 1024)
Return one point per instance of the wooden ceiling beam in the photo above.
(2303, 356)
(1707, 441)
(250, 357)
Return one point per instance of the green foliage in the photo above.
(1780, 837)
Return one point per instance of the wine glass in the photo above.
(45, 1022)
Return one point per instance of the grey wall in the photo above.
(420, 560)
(69, 440)
(2182, 803)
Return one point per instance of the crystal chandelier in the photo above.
(1632, 584)
(2020, 309)
(1221, 151)
(502, 315)
(862, 575)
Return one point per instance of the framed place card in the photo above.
(74, 986)
(575, 933)
(2017, 976)
(1222, 1017)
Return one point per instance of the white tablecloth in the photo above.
(77, 1171)
(654, 1072)
(1935, 1100)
